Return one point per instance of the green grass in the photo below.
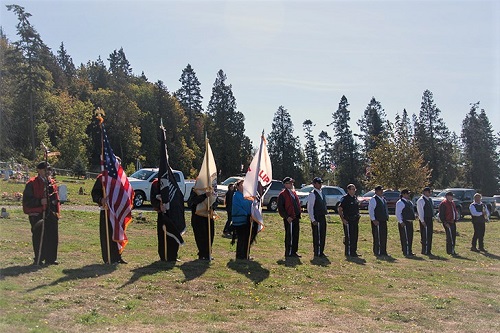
(268, 294)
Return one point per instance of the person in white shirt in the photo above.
(425, 210)
(480, 215)
(316, 207)
(405, 214)
(379, 215)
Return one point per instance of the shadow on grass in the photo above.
(250, 269)
(289, 262)
(18, 270)
(416, 258)
(490, 255)
(435, 257)
(194, 269)
(321, 261)
(157, 266)
(356, 260)
(387, 258)
(86, 272)
(458, 256)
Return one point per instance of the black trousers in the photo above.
(379, 238)
(227, 226)
(291, 237)
(113, 246)
(351, 231)
(426, 235)
(50, 237)
(243, 235)
(451, 236)
(479, 230)
(406, 237)
(200, 230)
(319, 235)
(171, 248)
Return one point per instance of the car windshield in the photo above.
(457, 194)
(231, 180)
(307, 189)
(497, 199)
(369, 194)
(142, 174)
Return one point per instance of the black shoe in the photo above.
(121, 261)
(482, 249)
(53, 263)
(473, 249)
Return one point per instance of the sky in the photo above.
(302, 55)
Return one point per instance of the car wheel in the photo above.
(336, 208)
(273, 205)
(139, 198)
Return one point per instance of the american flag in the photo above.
(333, 166)
(119, 193)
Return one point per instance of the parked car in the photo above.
(271, 195)
(142, 179)
(497, 205)
(463, 197)
(391, 197)
(222, 188)
(333, 194)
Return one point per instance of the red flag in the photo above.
(119, 193)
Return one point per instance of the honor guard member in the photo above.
(199, 222)
(480, 214)
(448, 215)
(349, 214)
(379, 215)
(241, 211)
(289, 210)
(316, 207)
(41, 203)
(405, 214)
(425, 210)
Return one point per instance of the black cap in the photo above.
(288, 179)
(426, 189)
(318, 180)
(43, 165)
(449, 193)
(379, 188)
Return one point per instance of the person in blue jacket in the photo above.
(241, 212)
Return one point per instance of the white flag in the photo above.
(259, 175)
(206, 182)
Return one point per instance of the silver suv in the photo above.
(271, 196)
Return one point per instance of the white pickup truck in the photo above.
(142, 179)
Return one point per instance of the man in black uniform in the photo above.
(349, 214)
(199, 223)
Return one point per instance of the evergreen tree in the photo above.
(436, 143)
(284, 147)
(345, 150)
(311, 151)
(481, 156)
(189, 96)
(33, 80)
(372, 125)
(326, 158)
(66, 64)
(226, 130)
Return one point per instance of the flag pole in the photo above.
(255, 191)
(104, 205)
(209, 210)
(165, 241)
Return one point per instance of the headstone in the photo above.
(63, 193)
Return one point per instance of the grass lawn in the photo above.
(267, 294)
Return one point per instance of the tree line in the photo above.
(45, 98)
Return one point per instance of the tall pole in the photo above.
(255, 191)
(209, 209)
(104, 205)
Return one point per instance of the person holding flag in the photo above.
(168, 201)
(241, 211)
(201, 201)
(114, 195)
(289, 210)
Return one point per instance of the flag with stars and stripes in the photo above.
(119, 193)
